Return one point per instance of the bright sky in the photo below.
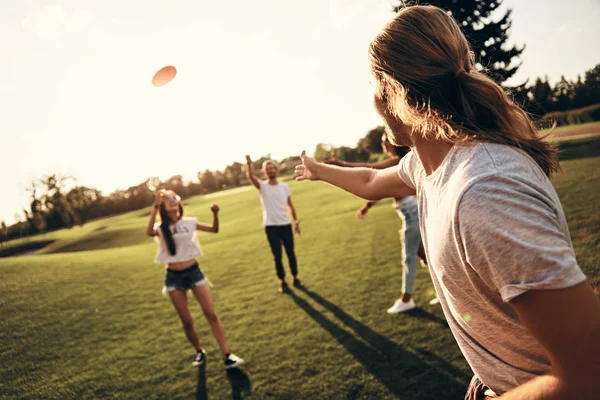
(257, 77)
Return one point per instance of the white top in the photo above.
(274, 200)
(187, 246)
(493, 228)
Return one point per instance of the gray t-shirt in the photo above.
(493, 228)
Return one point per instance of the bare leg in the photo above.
(204, 297)
(179, 300)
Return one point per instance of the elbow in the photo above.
(215, 229)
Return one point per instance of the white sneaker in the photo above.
(434, 301)
(233, 361)
(400, 306)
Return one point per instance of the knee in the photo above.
(188, 325)
(211, 317)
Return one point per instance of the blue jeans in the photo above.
(410, 235)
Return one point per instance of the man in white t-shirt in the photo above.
(276, 199)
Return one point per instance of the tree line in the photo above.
(58, 201)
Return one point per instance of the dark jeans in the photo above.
(277, 235)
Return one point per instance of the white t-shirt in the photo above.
(493, 228)
(274, 200)
(187, 246)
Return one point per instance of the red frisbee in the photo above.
(164, 75)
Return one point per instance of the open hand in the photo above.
(308, 168)
(297, 229)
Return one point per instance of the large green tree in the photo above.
(486, 34)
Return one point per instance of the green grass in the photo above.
(86, 319)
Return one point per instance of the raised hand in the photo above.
(308, 168)
(214, 208)
(334, 161)
(362, 213)
(159, 197)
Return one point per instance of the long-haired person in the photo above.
(178, 247)
(494, 230)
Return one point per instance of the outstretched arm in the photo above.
(215, 225)
(390, 162)
(363, 182)
(250, 173)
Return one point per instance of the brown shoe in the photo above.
(298, 284)
(284, 288)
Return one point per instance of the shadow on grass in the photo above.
(579, 148)
(24, 248)
(422, 314)
(403, 373)
(240, 384)
(201, 391)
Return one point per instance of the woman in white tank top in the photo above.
(178, 247)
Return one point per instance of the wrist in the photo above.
(296, 222)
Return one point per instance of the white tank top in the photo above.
(187, 246)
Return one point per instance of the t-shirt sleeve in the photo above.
(407, 168)
(288, 193)
(513, 237)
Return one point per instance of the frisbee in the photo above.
(164, 76)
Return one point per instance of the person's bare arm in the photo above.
(367, 183)
(390, 162)
(293, 211)
(567, 323)
(250, 173)
(214, 228)
(158, 199)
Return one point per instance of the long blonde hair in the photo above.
(426, 75)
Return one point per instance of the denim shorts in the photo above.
(184, 279)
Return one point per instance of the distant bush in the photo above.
(573, 117)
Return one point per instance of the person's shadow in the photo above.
(398, 369)
(240, 384)
(201, 391)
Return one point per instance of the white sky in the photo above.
(257, 77)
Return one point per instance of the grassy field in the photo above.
(85, 318)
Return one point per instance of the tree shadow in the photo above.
(240, 383)
(398, 369)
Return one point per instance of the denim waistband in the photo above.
(180, 271)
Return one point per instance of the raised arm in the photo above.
(158, 199)
(363, 182)
(214, 228)
(250, 173)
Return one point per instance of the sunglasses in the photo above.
(172, 199)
